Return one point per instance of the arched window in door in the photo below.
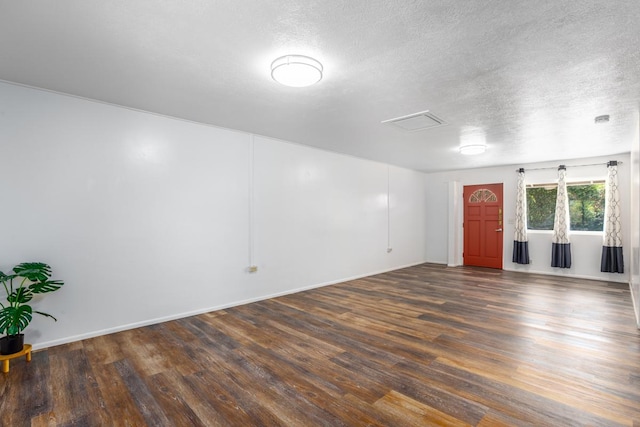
(483, 195)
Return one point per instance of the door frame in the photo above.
(455, 235)
(496, 220)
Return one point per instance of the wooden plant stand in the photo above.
(4, 358)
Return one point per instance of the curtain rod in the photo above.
(568, 166)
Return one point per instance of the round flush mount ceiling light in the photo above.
(471, 149)
(473, 140)
(296, 70)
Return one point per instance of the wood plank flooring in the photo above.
(426, 345)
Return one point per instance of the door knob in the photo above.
(498, 229)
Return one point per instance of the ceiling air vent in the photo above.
(417, 121)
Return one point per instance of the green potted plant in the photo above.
(28, 278)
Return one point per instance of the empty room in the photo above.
(308, 213)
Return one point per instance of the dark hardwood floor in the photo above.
(426, 345)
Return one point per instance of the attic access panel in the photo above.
(416, 122)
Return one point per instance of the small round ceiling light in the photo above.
(602, 119)
(472, 149)
(296, 70)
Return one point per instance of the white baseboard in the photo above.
(568, 276)
(157, 320)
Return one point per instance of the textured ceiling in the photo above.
(528, 77)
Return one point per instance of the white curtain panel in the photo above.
(561, 248)
(520, 243)
(612, 260)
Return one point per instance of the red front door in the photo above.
(483, 225)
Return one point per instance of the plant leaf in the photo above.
(15, 319)
(6, 277)
(48, 286)
(20, 295)
(34, 271)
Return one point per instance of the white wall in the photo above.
(148, 218)
(437, 219)
(635, 224)
(586, 248)
(321, 216)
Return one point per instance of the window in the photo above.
(586, 206)
(541, 204)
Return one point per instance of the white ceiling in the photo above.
(528, 76)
